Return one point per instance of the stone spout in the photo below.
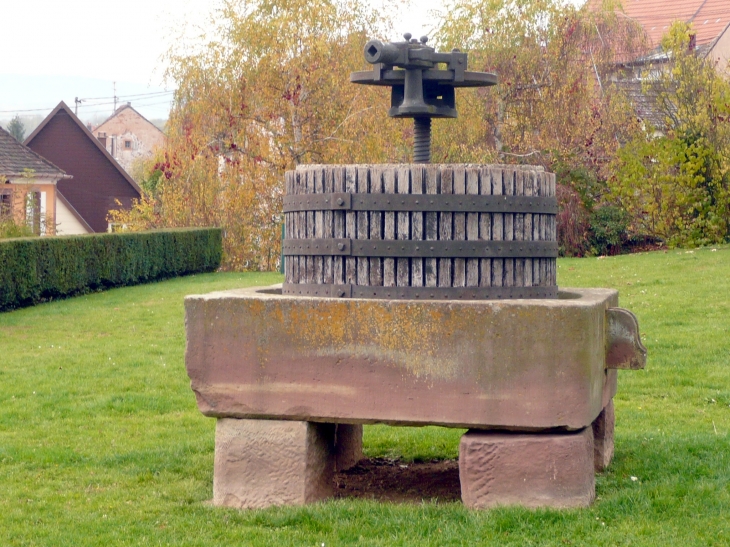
(624, 349)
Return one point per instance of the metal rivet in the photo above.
(340, 246)
(340, 201)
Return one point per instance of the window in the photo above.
(128, 145)
(6, 203)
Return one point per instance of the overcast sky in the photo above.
(53, 50)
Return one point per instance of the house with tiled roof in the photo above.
(99, 183)
(28, 187)
(710, 23)
(128, 136)
(710, 20)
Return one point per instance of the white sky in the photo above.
(100, 39)
(54, 50)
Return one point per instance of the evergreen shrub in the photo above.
(41, 268)
(609, 229)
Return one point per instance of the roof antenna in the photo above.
(115, 97)
(78, 102)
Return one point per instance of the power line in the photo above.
(119, 98)
(130, 96)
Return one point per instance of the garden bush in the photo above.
(572, 222)
(37, 269)
(609, 229)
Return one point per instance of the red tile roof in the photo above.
(709, 18)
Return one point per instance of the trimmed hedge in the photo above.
(36, 269)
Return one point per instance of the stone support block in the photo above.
(260, 463)
(348, 446)
(603, 427)
(532, 470)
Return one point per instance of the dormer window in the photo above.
(128, 145)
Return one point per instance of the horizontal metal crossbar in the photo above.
(457, 203)
(418, 293)
(420, 249)
(444, 77)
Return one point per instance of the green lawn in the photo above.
(101, 442)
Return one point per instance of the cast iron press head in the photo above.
(419, 88)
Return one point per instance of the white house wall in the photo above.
(721, 53)
(66, 223)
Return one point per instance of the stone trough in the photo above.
(292, 378)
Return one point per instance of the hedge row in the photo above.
(42, 268)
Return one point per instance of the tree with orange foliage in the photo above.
(272, 90)
(269, 92)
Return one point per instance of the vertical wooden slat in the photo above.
(376, 226)
(519, 229)
(299, 233)
(329, 186)
(543, 229)
(529, 182)
(309, 227)
(508, 178)
(459, 273)
(389, 263)
(403, 219)
(339, 226)
(288, 190)
(485, 227)
(350, 225)
(472, 228)
(536, 220)
(318, 224)
(446, 221)
(553, 232)
(361, 218)
(417, 228)
(431, 218)
(497, 228)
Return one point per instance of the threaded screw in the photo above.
(421, 140)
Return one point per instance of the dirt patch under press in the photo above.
(401, 482)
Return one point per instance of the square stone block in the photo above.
(260, 463)
(528, 469)
(603, 428)
(348, 446)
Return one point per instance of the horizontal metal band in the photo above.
(455, 203)
(420, 249)
(418, 293)
(316, 247)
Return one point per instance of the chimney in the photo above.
(102, 138)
